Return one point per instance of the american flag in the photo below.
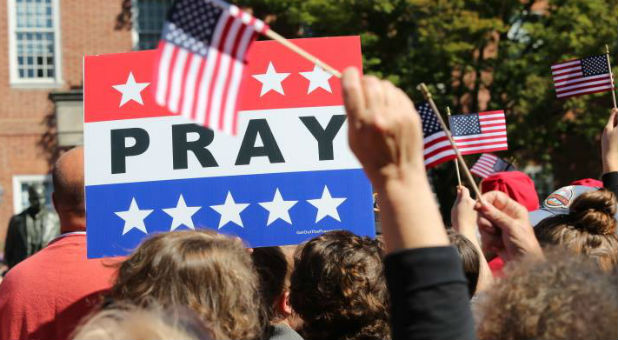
(479, 132)
(201, 60)
(582, 76)
(437, 147)
(489, 164)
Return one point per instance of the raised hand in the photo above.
(505, 227)
(609, 143)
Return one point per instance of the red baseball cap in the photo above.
(516, 184)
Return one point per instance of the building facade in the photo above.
(43, 45)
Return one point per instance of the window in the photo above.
(34, 40)
(148, 19)
(21, 183)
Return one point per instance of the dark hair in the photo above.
(210, 273)
(588, 229)
(564, 297)
(272, 268)
(470, 259)
(339, 289)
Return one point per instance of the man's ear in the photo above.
(284, 304)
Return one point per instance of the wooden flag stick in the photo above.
(425, 91)
(297, 49)
(448, 114)
(611, 75)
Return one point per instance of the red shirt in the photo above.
(46, 295)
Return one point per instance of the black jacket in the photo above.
(429, 295)
(610, 181)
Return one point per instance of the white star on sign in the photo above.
(327, 205)
(182, 215)
(278, 208)
(134, 218)
(230, 211)
(130, 90)
(271, 80)
(317, 78)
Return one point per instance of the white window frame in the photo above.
(135, 24)
(18, 180)
(14, 79)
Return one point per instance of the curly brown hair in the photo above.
(207, 272)
(339, 289)
(589, 228)
(565, 297)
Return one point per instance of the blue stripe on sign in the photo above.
(105, 227)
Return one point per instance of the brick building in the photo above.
(43, 43)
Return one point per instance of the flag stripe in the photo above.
(189, 87)
(177, 75)
(163, 70)
(580, 80)
(222, 73)
(566, 64)
(584, 84)
(586, 91)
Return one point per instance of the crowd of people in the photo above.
(508, 267)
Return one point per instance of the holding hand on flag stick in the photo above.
(386, 136)
(448, 113)
(425, 91)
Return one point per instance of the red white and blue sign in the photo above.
(287, 176)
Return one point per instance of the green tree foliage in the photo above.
(500, 50)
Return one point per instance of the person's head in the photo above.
(564, 297)
(207, 272)
(36, 197)
(588, 229)
(131, 322)
(68, 196)
(338, 288)
(516, 184)
(469, 258)
(274, 266)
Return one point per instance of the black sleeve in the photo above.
(429, 295)
(610, 181)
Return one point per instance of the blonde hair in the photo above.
(589, 229)
(207, 272)
(564, 297)
(130, 322)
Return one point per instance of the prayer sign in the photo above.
(287, 176)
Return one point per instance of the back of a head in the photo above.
(564, 297)
(469, 258)
(339, 289)
(142, 324)
(589, 228)
(207, 272)
(516, 184)
(68, 180)
(272, 267)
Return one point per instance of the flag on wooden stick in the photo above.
(582, 76)
(437, 148)
(489, 164)
(479, 132)
(201, 60)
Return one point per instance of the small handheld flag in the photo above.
(201, 60)
(437, 148)
(479, 132)
(582, 76)
(489, 164)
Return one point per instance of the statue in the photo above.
(32, 229)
